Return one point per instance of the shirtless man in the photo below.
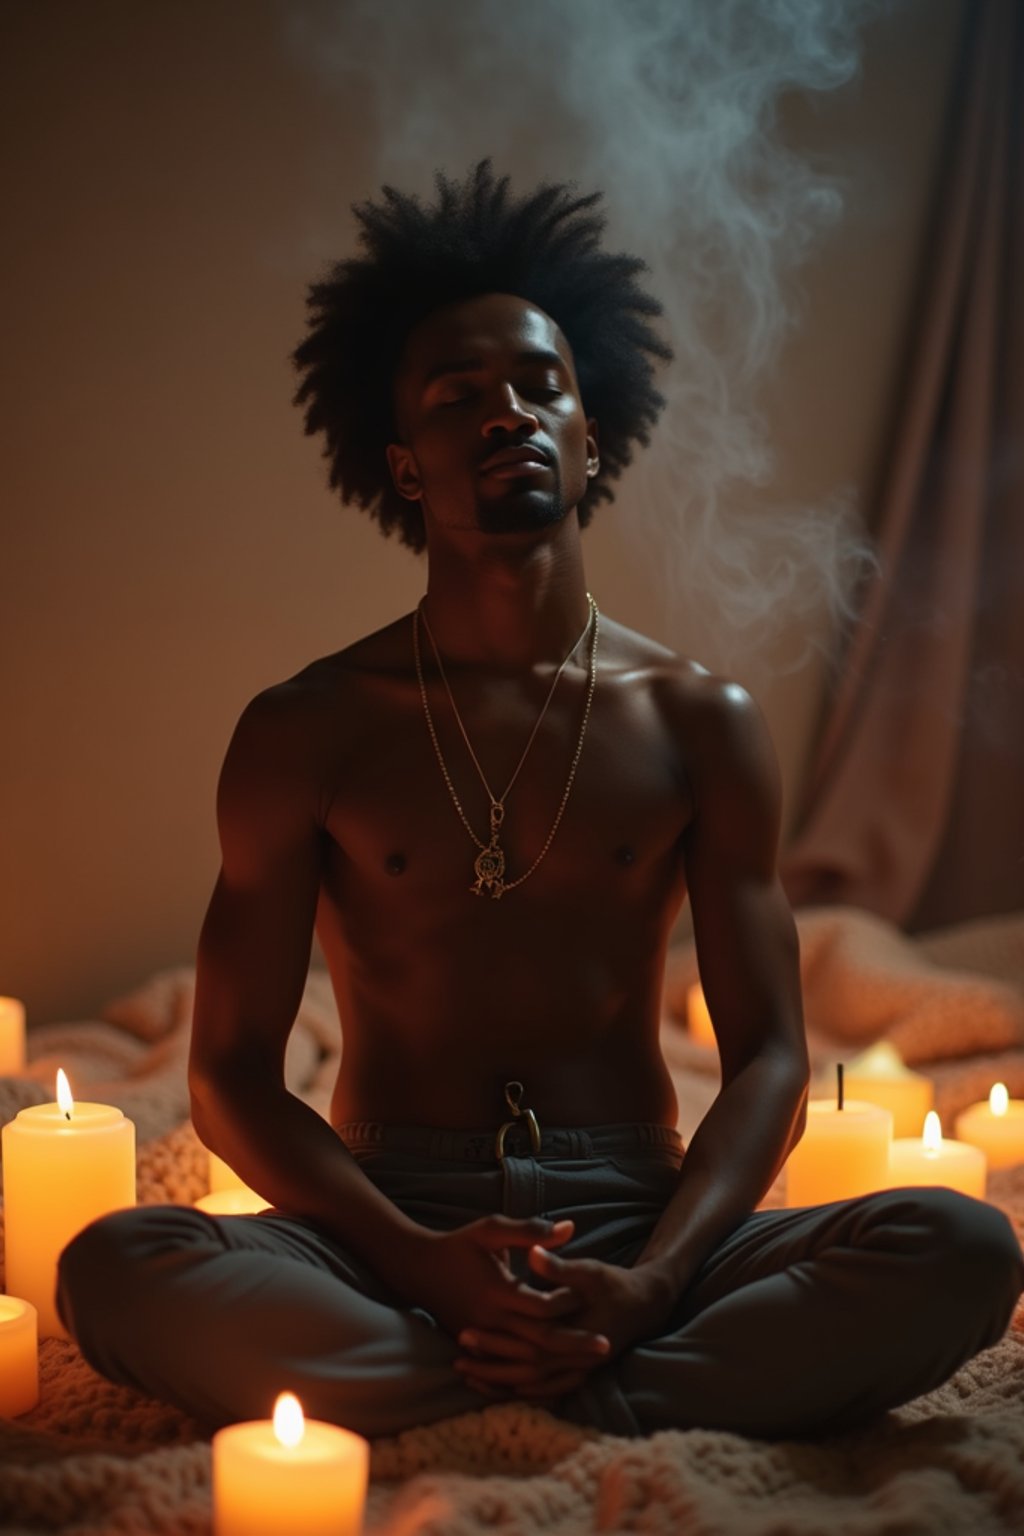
(491, 811)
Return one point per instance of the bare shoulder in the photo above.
(312, 695)
(714, 721)
(292, 737)
(687, 691)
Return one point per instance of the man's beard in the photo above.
(522, 512)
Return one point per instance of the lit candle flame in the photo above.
(64, 1098)
(932, 1136)
(999, 1099)
(289, 1424)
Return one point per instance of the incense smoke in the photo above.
(671, 108)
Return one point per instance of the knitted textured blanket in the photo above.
(93, 1458)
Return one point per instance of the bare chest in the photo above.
(424, 809)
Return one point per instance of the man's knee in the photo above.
(97, 1272)
(91, 1263)
(977, 1249)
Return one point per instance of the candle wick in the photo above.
(839, 1086)
(67, 1114)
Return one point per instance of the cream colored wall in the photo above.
(169, 546)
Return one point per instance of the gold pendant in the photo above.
(490, 862)
(489, 870)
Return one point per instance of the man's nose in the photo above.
(508, 411)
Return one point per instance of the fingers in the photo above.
(498, 1232)
(552, 1266)
(525, 1301)
(533, 1341)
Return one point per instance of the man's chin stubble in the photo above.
(528, 513)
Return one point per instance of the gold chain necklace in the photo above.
(489, 866)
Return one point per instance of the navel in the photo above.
(624, 855)
(395, 863)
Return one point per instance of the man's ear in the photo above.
(593, 452)
(404, 473)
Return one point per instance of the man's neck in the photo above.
(504, 608)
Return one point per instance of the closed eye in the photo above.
(546, 392)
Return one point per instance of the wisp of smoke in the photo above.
(671, 108)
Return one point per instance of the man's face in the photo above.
(478, 377)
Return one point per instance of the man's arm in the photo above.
(251, 970)
(748, 955)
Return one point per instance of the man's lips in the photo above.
(515, 461)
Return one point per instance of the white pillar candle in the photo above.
(12, 1036)
(698, 1018)
(996, 1127)
(231, 1202)
(19, 1356)
(880, 1076)
(843, 1152)
(929, 1159)
(64, 1165)
(288, 1474)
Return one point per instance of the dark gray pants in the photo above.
(801, 1322)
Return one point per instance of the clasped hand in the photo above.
(518, 1340)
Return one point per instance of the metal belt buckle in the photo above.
(513, 1094)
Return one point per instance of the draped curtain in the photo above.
(914, 801)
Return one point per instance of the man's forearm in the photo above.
(292, 1157)
(734, 1156)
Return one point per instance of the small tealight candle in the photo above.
(12, 1036)
(19, 1356)
(996, 1127)
(843, 1152)
(232, 1202)
(698, 1018)
(64, 1165)
(880, 1076)
(288, 1474)
(929, 1159)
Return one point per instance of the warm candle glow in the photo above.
(996, 1125)
(698, 1018)
(12, 1036)
(880, 1060)
(231, 1202)
(289, 1424)
(64, 1097)
(19, 1356)
(288, 1474)
(931, 1159)
(64, 1164)
(842, 1153)
(880, 1076)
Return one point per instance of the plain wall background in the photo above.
(172, 180)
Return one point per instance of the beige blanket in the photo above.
(93, 1459)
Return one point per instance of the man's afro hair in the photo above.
(543, 248)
